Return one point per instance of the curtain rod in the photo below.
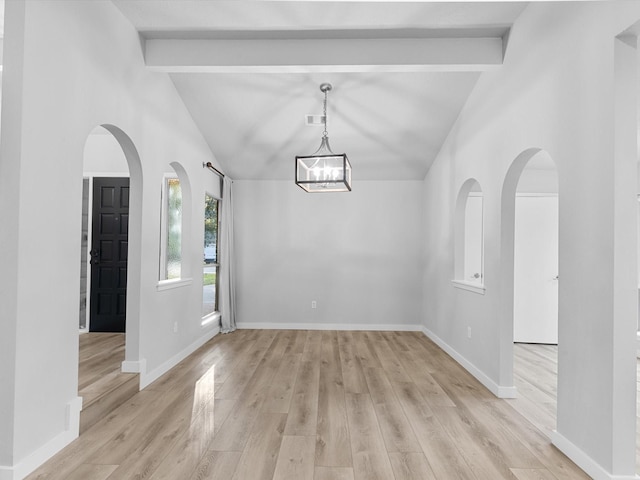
(213, 169)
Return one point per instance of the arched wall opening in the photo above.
(469, 234)
(529, 272)
(111, 159)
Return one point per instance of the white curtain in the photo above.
(227, 258)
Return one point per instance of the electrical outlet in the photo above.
(468, 332)
(313, 304)
(175, 327)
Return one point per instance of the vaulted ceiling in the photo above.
(249, 72)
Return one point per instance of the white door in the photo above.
(536, 270)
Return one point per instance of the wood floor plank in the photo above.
(464, 430)
(365, 351)
(216, 465)
(537, 396)
(352, 373)
(224, 355)
(537, 441)
(532, 474)
(411, 466)
(303, 412)
(141, 430)
(388, 358)
(258, 460)
(333, 473)
(278, 398)
(296, 458)
(297, 343)
(184, 457)
(332, 440)
(443, 455)
(396, 429)
(313, 346)
(417, 370)
(235, 431)
(509, 449)
(370, 457)
(92, 443)
(143, 459)
(92, 472)
(244, 369)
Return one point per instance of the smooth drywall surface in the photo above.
(555, 92)
(103, 155)
(535, 180)
(357, 255)
(69, 67)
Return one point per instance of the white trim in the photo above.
(173, 283)
(107, 174)
(6, 473)
(468, 286)
(87, 321)
(134, 366)
(147, 378)
(584, 461)
(500, 391)
(209, 319)
(328, 326)
(49, 449)
(527, 194)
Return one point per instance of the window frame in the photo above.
(208, 317)
(164, 230)
(470, 188)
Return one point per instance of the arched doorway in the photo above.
(110, 266)
(530, 272)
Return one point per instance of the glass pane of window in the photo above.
(174, 229)
(210, 266)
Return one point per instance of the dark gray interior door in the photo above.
(109, 248)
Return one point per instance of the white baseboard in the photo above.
(584, 461)
(499, 391)
(327, 326)
(134, 366)
(146, 378)
(48, 450)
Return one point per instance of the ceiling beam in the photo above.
(276, 55)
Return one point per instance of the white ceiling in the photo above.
(401, 72)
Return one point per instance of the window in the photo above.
(171, 246)
(210, 264)
(473, 241)
(469, 237)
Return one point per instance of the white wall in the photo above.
(554, 92)
(68, 67)
(103, 155)
(357, 254)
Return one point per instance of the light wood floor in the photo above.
(101, 383)
(535, 375)
(313, 405)
(100, 357)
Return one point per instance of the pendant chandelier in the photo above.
(324, 171)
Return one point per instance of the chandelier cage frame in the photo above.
(324, 171)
